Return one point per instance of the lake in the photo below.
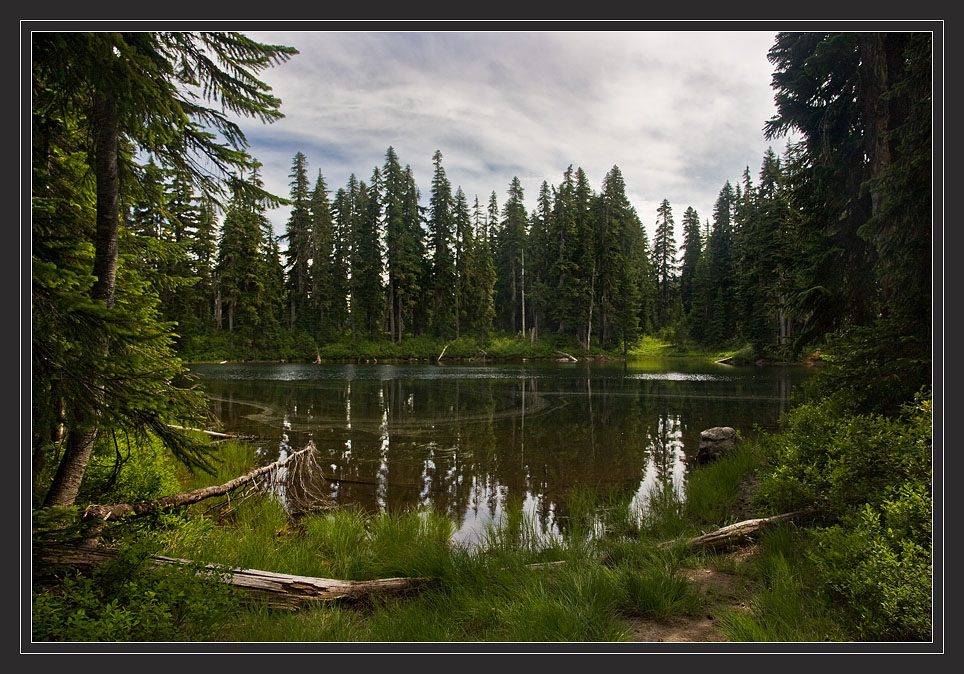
(469, 438)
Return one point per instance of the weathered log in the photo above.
(734, 534)
(213, 434)
(278, 590)
(444, 349)
(113, 512)
(569, 356)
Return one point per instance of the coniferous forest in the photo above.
(151, 247)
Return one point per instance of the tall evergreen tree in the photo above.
(299, 251)
(141, 92)
(692, 248)
(367, 303)
(441, 236)
(329, 277)
(510, 240)
(664, 262)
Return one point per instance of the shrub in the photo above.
(126, 599)
(870, 477)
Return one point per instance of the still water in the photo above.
(468, 439)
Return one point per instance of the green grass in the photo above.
(783, 607)
(712, 490)
(609, 566)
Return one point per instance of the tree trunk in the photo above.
(80, 439)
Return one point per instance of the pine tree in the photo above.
(299, 252)
(441, 237)
(328, 274)
(692, 248)
(367, 304)
(134, 93)
(664, 263)
(510, 239)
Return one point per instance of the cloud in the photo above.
(680, 113)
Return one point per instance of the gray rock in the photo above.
(715, 442)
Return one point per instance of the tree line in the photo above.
(369, 261)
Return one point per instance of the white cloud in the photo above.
(679, 113)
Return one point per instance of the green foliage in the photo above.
(878, 567)
(126, 599)
(838, 462)
(870, 476)
(784, 607)
(128, 469)
(714, 489)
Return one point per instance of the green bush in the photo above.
(126, 599)
(880, 576)
(870, 478)
(837, 461)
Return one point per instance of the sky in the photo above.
(679, 113)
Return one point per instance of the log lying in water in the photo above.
(278, 590)
(736, 533)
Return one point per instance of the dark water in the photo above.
(469, 439)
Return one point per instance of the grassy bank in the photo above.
(611, 571)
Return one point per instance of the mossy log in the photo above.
(278, 590)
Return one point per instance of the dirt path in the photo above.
(718, 591)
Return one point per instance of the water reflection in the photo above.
(472, 440)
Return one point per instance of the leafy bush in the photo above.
(838, 461)
(870, 477)
(881, 576)
(126, 599)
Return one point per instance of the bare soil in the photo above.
(719, 591)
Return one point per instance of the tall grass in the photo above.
(784, 608)
(713, 490)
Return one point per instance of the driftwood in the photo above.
(213, 434)
(734, 533)
(113, 512)
(439, 359)
(278, 590)
(569, 356)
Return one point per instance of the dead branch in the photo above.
(113, 512)
(569, 356)
(213, 434)
(734, 533)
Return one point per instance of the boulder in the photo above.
(716, 441)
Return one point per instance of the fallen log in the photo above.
(734, 534)
(113, 512)
(278, 590)
(569, 356)
(439, 359)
